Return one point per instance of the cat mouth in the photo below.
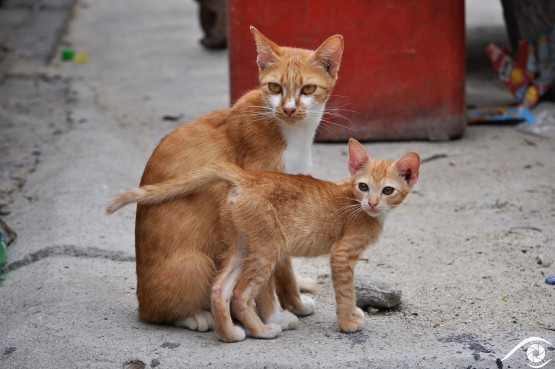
(373, 212)
(290, 119)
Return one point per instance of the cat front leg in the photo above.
(288, 290)
(343, 260)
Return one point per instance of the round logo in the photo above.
(535, 353)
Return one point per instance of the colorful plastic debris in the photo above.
(502, 113)
(533, 72)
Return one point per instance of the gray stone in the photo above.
(376, 294)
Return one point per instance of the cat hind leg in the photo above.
(177, 290)
(201, 321)
(222, 291)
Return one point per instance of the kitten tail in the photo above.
(179, 186)
(124, 198)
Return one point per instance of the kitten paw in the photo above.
(202, 321)
(284, 319)
(308, 305)
(237, 335)
(270, 331)
(354, 324)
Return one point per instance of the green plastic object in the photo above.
(67, 54)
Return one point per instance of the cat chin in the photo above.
(291, 120)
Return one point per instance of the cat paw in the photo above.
(270, 331)
(353, 324)
(285, 319)
(306, 307)
(202, 321)
(237, 335)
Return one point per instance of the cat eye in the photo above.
(388, 190)
(274, 87)
(308, 89)
(363, 187)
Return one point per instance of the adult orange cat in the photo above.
(179, 244)
(273, 215)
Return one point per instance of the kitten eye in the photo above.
(274, 87)
(363, 187)
(388, 190)
(308, 89)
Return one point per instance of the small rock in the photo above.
(550, 280)
(9, 351)
(375, 294)
(478, 347)
(154, 363)
(170, 345)
(134, 364)
(372, 310)
(541, 260)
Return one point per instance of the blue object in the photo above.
(550, 280)
(3, 249)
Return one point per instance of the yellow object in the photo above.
(516, 76)
(531, 96)
(81, 57)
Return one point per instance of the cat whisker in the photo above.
(348, 198)
(334, 95)
(357, 212)
(347, 208)
(317, 124)
(257, 107)
(352, 128)
(334, 115)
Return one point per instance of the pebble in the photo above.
(550, 280)
(375, 294)
(541, 260)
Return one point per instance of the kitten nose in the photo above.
(289, 110)
(372, 204)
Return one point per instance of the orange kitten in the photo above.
(180, 244)
(272, 216)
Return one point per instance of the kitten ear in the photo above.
(358, 157)
(408, 167)
(267, 50)
(329, 54)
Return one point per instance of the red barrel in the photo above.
(403, 68)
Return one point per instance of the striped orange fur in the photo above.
(272, 216)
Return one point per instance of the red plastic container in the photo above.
(403, 68)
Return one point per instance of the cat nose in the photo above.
(372, 204)
(289, 110)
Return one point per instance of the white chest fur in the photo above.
(297, 156)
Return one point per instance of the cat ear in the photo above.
(329, 54)
(358, 157)
(408, 167)
(267, 50)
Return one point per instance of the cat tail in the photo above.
(177, 187)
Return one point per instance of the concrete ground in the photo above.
(462, 248)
